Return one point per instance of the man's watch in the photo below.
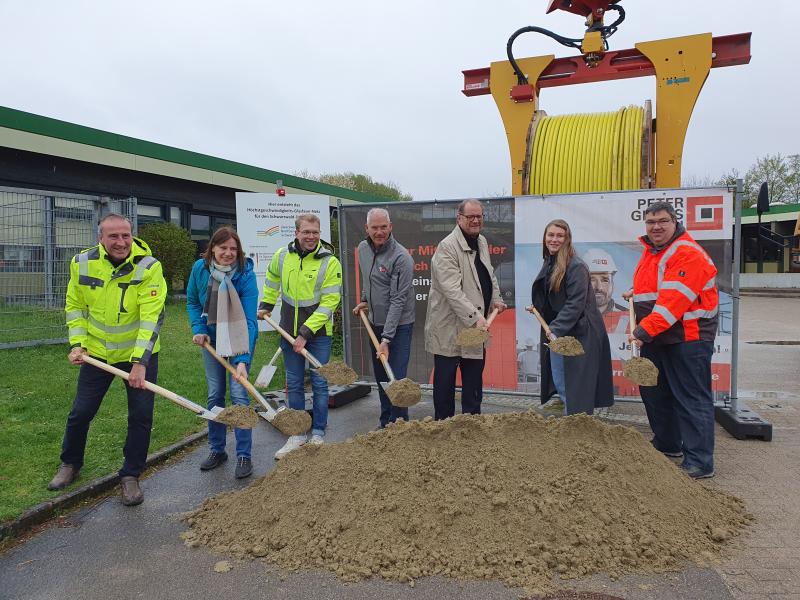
(385, 341)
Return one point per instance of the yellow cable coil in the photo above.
(587, 152)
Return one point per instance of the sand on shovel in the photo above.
(540, 499)
(237, 415)
(641, 371)
(292, 422)
(338, 373)
(472, 337)
(567, 346)
(404, 392)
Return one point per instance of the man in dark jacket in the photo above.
(388, 295)
(676, 302)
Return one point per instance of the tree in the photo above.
(175, 250)
(359, 183)
(729, 179)
(774, 169)
(793, 184)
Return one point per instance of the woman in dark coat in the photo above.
(562, 293)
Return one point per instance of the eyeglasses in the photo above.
(477, 218)
(661, 222)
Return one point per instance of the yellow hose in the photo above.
(587, 152)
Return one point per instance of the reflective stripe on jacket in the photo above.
(675, 292)
(116, 313)
(310, 289)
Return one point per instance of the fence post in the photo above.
(49, 203)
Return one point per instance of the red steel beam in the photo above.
(728, 50)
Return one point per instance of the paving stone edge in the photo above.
(46, 510)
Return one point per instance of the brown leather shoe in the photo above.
(131, 492)
(65, 475)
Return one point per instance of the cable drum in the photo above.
(589, 152)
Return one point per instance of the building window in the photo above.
(175, 215)
(147, 213)
(201, 227)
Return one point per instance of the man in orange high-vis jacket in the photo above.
(676, 302)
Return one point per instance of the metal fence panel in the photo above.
(40, 232)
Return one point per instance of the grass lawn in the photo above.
(37, 386)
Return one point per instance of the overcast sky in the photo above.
(372, 87)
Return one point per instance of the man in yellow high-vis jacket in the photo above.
(115, 308)
(308, 278)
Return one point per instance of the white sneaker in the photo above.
(293, 443)
(317, 439)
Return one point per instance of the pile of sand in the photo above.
(512, 497)
(237, 415)
(292, 422)
(641, 371)
(404, 392)
(338, 373)
(472, 337)
(567, 346)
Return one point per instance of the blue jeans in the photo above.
(216, 376)
(681, 407)
(320, 347)
(559, 377)
(399, 353)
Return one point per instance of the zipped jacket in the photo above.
(386, 276)
(309, 286)
(244, 281)
(456, 298)
(116, 313)
(675, 292)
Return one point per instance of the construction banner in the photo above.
(605, 229)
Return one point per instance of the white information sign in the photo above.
(266, 222)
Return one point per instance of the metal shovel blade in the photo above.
(211, 414)
(265, 376)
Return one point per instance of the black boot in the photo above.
(214, 460)
(244, 467)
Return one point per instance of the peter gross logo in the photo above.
(704, 213)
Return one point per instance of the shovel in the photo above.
(272, 412)
(476, 337)
(565, 345)
(211, 415)
(640, 371)
(403, 393)
(336, 373)
(267, 372)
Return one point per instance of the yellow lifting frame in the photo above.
(517, 116)
(682, 66)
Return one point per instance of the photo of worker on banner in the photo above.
(606, 230)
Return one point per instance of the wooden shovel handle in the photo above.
(632, 325)
(532, 309)
(632, 322)
(156, 389)
(310, 357)
(377, 345)
(242, 380)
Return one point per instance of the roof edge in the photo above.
(46, 126)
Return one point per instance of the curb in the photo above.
(46, 510)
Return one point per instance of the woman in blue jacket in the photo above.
(222, 299)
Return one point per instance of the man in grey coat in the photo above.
(386, 292)
(463, 291)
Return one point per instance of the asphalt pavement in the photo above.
(107, 551)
